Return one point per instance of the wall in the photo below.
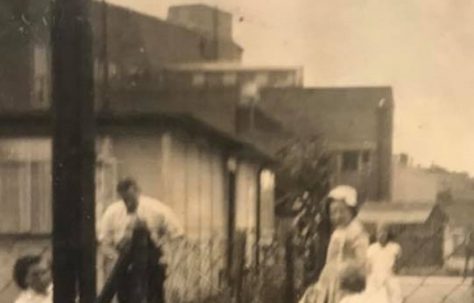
(412, 184)
(459, 185)
(204, 19)
(453, 237)
(16, 54)
(348, 119)
(139, 156)
(213, 24)
(216, 107)
(138, 46)
(195, 184)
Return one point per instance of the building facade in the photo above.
(175, 158)
(355, 125)
(412, 184)
(130, 50)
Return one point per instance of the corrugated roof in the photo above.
(395, 213)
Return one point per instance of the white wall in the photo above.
(411, 184)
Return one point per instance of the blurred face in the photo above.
(382, 236)
(339, 213)
(130, 198)
(39, 277)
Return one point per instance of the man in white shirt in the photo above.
(119, 221)
(32, 275)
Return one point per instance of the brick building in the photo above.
(249, 78)
(355, 123)
(211, 23)
(138, 46)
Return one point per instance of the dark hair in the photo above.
(353, 280)
(21, 268)
(126, 184)
(390, 234)
(353, 209)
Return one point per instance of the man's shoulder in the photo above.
(114, 207)
(153, 203)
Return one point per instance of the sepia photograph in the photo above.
(214, 151)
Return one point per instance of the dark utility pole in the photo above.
(104, 57)
(74, 250)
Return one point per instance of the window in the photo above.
(41, 76)
(199, 79)
(366, 157)
(229, 79)
(25, 185)
(350, 160)
(261, 78)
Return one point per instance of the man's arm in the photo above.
(105, 235)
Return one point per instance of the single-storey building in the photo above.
(215, 183)
(417, 227)
(458, 232)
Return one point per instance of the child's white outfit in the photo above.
(355, 298)
(382, 284)
(31, 296)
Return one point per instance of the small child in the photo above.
(353, 285)
(32, 275)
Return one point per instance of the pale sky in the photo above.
(423, 49)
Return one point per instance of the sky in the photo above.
(423, 49)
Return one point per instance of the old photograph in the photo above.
(241, 151)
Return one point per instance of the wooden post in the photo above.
(290, 269)
(74, 244)
(238, 266)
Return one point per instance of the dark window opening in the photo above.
(350, 160)
(366, 157)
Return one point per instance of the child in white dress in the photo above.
(382, 283)
(347, 247)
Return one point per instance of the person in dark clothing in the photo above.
(140, 226)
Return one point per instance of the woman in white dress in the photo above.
(347, 247)
(382, 256)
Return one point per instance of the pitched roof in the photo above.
(395, 213)
(216, 107)
(39, 124)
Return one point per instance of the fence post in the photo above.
(290, 269)
(238, 266)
